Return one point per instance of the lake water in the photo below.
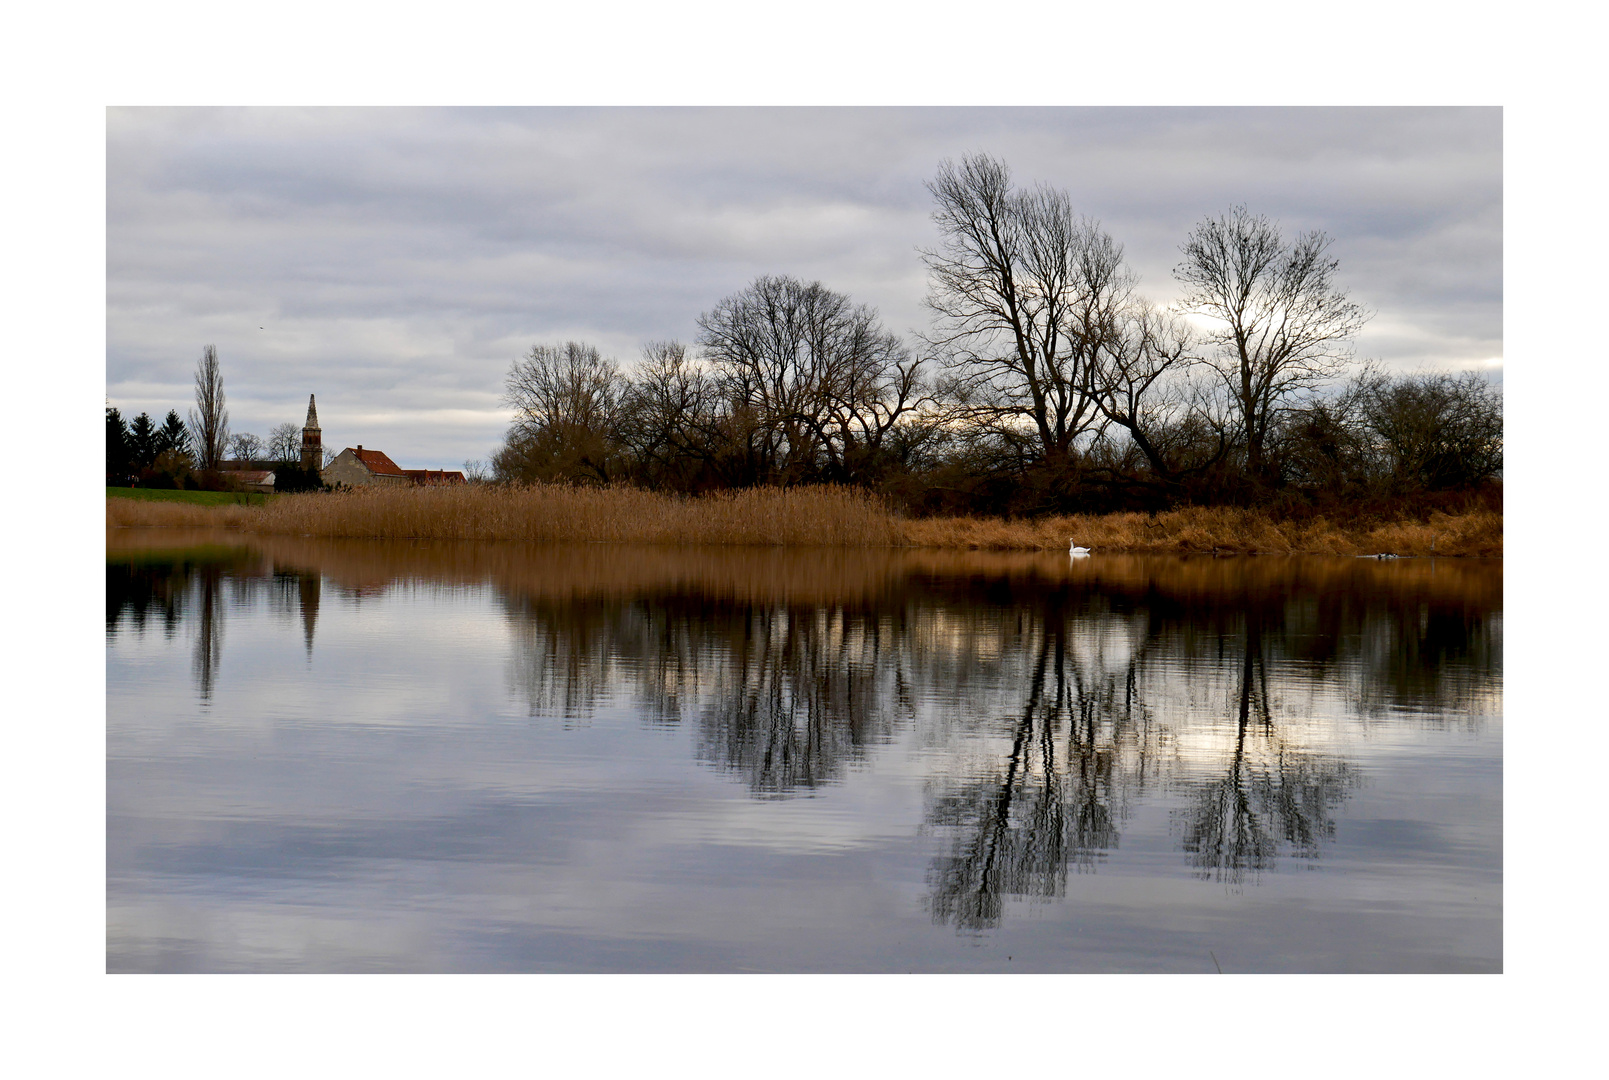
(362, 756)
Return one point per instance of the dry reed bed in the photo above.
(132, 513)
(798, 517)
(1224, 529)
(830, 517)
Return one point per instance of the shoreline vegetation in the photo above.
(803, 517)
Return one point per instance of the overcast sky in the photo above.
(395, 261)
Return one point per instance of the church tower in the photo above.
(312, 439)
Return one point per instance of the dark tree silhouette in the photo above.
(209, 420)
(824, 382)
(1281, 320)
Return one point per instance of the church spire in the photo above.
(312, 439)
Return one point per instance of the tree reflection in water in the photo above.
(202, 585)
(1018, 827)
(1271, 791)
(785, 695)
(1061, 695)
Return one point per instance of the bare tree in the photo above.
(1282, 323)
(209, 420)
(673, 413)
(823, 380)
(245, 446)
(1013, 277)
(1432, 430)
(285, 443)
(565, 398)
(1136, 352)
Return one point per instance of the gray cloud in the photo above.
(399, 259)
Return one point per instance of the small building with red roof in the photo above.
(357, 467)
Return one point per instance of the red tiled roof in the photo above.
(435, 476)
(377, 462)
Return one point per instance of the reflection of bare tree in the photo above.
(1011, 827)
(798, 696)
(566, 654)
(1019, 829)
(786, 695)
(1271, 792)
(198, 585)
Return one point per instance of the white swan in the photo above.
(1074, 549)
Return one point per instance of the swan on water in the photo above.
(1074, 549)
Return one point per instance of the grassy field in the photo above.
(190, 498)
(794, 517)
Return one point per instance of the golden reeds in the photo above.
(133, 513)
(801, 517)
(1225, 529)
(794, 517)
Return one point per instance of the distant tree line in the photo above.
(191, 456)
(1047, 382)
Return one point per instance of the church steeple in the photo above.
(312, 439)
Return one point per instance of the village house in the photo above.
(250, 475)
(363, 468)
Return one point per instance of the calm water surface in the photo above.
(348, 756)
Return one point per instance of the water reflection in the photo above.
(177, 579)
(1272, 790)
(1071, 761)
(1054, 697)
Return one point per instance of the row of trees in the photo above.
(1047, 381)
(177, 455)
(140, 448)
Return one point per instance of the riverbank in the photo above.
(801, 517)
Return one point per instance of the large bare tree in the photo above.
(1007, 281)
(565, 399)
(209, 420)
(672, 420)
(1280, 321)
(824, 382)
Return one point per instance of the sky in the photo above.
(396, 261)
